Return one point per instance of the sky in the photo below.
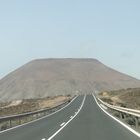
(108, 30)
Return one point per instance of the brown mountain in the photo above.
(48, 77)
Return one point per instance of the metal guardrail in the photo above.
(131, 116)
(14, 120)
(29, 113)
(122, 109)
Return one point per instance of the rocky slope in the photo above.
(50, 77)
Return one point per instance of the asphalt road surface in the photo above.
(89, 123)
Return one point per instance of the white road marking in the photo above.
(39, 118)
(71, 117)
(62, 124)
(123, 124)
(43, 139)
(103, 106)
(50, 138)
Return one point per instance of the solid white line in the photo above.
(62, 124)
(39, 118)
(123, 124)
(71, 117)
(50, 138)
(103, 106)
(43, 139)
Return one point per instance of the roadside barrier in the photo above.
(15, 120)
(130, 116)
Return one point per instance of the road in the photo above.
(44, 127)
(91, 123)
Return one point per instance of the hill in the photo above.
(52, 77)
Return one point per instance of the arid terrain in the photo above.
(52, 77)
(29, 105)
(129, 98)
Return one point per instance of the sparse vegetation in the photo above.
(49, 105)
(129, 98)
(29, 105)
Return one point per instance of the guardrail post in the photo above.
(10, 123)
(124, 116)
(44, 114)
(37, 115)
(130, 116)
(136, 122)
(121, 117)
(19, 121)
(14, 120)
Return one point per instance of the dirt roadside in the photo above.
(29, 105)
(129, 98)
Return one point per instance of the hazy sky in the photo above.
(108, 30)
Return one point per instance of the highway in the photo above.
(81, 120)
(44, 127)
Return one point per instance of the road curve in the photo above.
(93, 124)
(44, 127)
